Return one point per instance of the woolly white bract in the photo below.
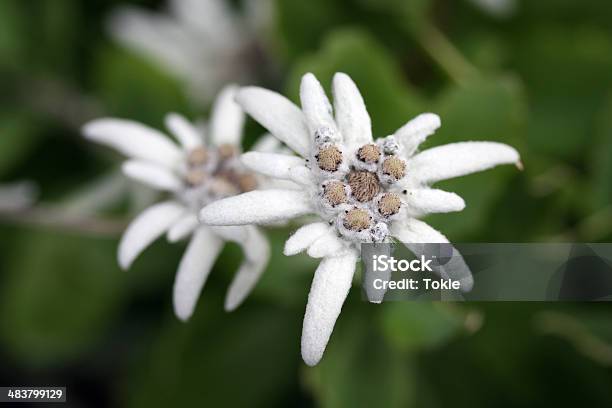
(362, 190)
(194, 173)
(202, 42)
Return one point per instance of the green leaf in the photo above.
(568, 72)
(130, 87)
(589, 332)
(59, 296)
(416, 326)
(56, 35)
(243, 359)
(491, 109)
(19, 136)
(12, 34)
(411, 14)
(302, 24)
(601, 160)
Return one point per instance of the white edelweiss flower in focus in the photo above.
(363, 190)
(194, 173)
(204, 43)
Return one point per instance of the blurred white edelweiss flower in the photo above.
(497, 8)
(362, 190)
(202, 42)
(195, 174)
(17, 196)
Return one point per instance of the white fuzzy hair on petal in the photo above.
(330, 286)
(182, 227)
(267, 143)
(152, 175)
(146, 228)
(416, 234)
(134, 140)
(425, 201)
(277, 114)
(257, 207)
(194, 269)
(458, 159)
(257, 253)
(186, 133)
(304, 237)
(271, 164)
(227, 119)
(327, 245)
(413, 133)
(315, 104)
(351, 114)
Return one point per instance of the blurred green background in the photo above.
(538, 77)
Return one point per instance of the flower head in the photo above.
(202, 42)
(363, 190)
(195, 173)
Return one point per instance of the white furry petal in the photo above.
(326, 245)
(351, 114)
(458, 159)
(267, 144)
(182, 227)
(155, 36)
(271, 164)
(301, 175)
(145, 229)
(257, 253)
(257, 207)
(315, 105)
(329, 289)
(193, 270)
(304, 237)
(213, 19)
(237, 233)
(151, 174)
(413, 133)
(187, 134)
(134, 140)
(414, 233)
(227, 119)
(277, 114)
(424, 201)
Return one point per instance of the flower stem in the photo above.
(445, 54)
(54, 218)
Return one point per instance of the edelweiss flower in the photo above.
(195, 174)
(362, 190)
(202, 42)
